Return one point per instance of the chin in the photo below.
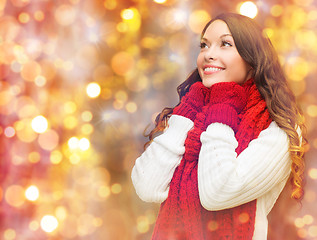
(208, 82)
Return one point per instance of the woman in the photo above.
(229, 146)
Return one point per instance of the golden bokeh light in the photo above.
(248, 9)
(127, 14)
(14, 195)
(160, 1)
(39, 124)
(9, 234)
(84, 144)
(49, 140)
(49, 223)
(197, 20)
(65, 15)
(122, 63)
(32, 193)
(56, 157)
(34, 157)
(93, 90)
(24, 17)
(277, 10)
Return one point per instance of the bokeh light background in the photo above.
(80, 81)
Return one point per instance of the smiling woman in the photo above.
(219, 60)
(226, 151)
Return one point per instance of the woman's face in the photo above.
(219, 60)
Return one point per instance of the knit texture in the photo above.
(182, 216)
(192, 102)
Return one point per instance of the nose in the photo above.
(211, 54)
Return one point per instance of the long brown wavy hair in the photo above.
(258, 51)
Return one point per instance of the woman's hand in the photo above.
(193, 101)
(226, 101)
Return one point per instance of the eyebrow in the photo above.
(223, 35)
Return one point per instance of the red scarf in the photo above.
(182, 216)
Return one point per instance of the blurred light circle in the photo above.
(312, 173)
(87, 129)
(173, 19)
(312, 110)
(70, 107)
(48, 140)
(24, 17)
(40, 81)
(9, 234)
(159, 1)
(143, 224)
(65, 15)
(34, 225)
(73, 143)
(39, 16)
(197, 20)
(30, 71)
(9, 28)
(93, 90)
(116, 188)
(56, 157)
(248, 9)
(32, 193)
(7, 55)
(9, 132)
(110, 4)
(14, 195)
(70, 122)
(61, 213)
(127, 14)
(131, 107)
(32, 47)
(277, 10)
(84, 144)
(86, 116)
(49, 223)
(34, 157)
(26, 110)
(122, 63)
(104, 191)
(39, 124)
(23, 130)
(297, 68)
(74, 159)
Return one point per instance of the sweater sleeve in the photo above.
(225, 180)
(154, 169)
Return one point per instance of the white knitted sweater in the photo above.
(224, 180)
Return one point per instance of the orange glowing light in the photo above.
(24, 17)
(39, 16)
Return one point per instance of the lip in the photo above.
(219, 69)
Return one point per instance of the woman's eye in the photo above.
(226, 44)
(203, 45)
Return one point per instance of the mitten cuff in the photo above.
(185, 110)
(222, 113)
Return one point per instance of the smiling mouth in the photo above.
(211, 70)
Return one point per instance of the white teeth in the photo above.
(212, 69)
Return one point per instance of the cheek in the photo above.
(198, 61)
